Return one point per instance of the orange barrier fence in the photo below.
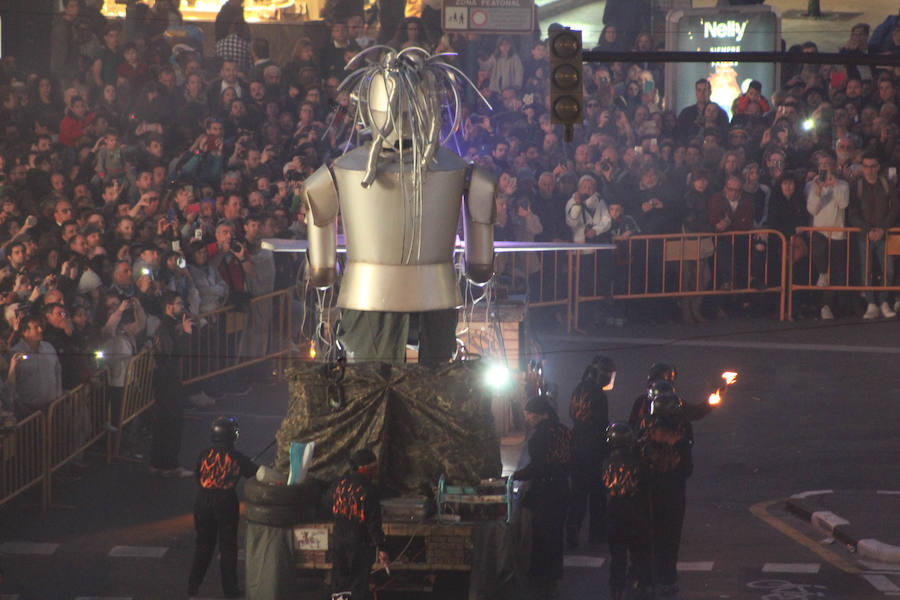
(843, 259)
(229, 339)
(22, 457)
(681, 265)
(138, 396)
(543, 277)
(75, 421)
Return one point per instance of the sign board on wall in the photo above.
(732, 29)
(489, 16)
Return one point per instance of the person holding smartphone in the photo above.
(827, 199)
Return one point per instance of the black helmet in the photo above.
(663, 371)
(619, 435)
(659, 387)
(225, 430)
(665, 407)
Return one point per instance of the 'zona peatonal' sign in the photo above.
(489, 16)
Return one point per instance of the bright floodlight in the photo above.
(808, 125)
(497, 376)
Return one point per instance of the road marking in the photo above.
(40, 548)
(593, 562)
(889, 492)
(104, 598)
(138, 551)
(802, 495)
(809, 568)
(881, 583)
(760, 511)
(710, 343)
(695, 566)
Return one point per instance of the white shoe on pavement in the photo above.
(201, 400)
(886, 311)
(826, 313)
(823, 280)
(872, 312)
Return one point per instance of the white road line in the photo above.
(812, 493)
(881, 583)
(698, 566)
(594, 562)
(41, 548)
(138, 551)
(791, 568)
(889, 492)
(710, 343)
(104, 598)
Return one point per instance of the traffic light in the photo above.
(566, 90)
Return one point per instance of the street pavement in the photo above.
(813, 410)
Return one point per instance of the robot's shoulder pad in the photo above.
(321, 194)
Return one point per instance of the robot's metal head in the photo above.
(405, 97)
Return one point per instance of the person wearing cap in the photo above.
(358, 536)
(547, 498)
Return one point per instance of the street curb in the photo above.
(805, 506)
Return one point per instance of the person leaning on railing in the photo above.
(874, 208)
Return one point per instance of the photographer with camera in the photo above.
(827, 199)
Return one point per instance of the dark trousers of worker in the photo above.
(351, 564)
(588, 496)
(629, 544)
(168, 419)
(667, 517)
(549, 506)
(215, 518)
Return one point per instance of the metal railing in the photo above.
(834, 249)
(23, 457)
(681, 265)
(138, 396)
(230, 339)
(75, 421)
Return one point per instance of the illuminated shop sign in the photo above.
(737, 29)
(206, 10)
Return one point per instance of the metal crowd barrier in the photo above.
(23, 457)
(138, 396)
(231, 339)
(681, 265)
(842, 251)
(75, 421)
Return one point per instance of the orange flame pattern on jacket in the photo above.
(580, 409)
(349, 501)
(218, 470)
(621, 480)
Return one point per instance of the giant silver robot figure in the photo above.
(399, 197)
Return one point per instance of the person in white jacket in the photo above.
(827, 199)
(586, 212)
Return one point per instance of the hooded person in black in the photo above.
(358, 536)
(549, 448)
(216, 510)
(589, 411)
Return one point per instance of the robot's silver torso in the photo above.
(399, 252)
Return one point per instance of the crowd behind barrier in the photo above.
(133, 166)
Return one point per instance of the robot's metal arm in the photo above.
(480, 214)
(321, 195)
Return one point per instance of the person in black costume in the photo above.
(216, 511)
(661, 379)
(589, 411)
(628, 513)
(665, 449)
(358, 537)
(549, 448)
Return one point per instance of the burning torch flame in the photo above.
(716, 398)
(312, 350)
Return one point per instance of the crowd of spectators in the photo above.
(136, 171)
